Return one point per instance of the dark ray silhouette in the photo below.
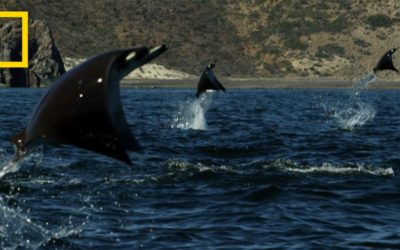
(83, 107)
(386, 62)
(208, 81)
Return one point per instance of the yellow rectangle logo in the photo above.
(24, 18)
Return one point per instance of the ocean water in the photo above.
(245, 169)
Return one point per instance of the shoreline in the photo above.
(261, 83)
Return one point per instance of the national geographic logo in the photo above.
(24, 36)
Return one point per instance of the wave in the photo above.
(285, 166)
(328, 168)
(19, 231)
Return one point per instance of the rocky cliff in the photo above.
(44, 58)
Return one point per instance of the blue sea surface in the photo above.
(245, 169)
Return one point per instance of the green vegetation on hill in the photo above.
(249, 38)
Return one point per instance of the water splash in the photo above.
(191, 113)
(353, 112)
(362, 84)
(9, 165)
(17, 229)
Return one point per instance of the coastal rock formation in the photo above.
(45, 61)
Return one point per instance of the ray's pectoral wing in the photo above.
(93, 131)
(213, 79)
(87, 118)
(208, 81)
(203, 84)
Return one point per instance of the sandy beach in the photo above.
(153, 75)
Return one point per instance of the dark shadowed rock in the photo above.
(44, 59)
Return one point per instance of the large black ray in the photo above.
(83, 107)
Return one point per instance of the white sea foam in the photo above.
(191, 113)
(329, 168)
(332, 169)
(176, 165)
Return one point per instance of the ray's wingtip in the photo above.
(393, 50)
(159, 49)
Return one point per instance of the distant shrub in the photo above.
(257, 36)
(276, 14)
(287, 65)
(338, 25)
(254, 16)
(272, 69)
(344, 4)
(294, 42)
(291, 32)
(322, 5)
(382, 36)
(304, 74)
(330, 50)
(361, 42)
(268, 49)
(366, 52)
(284, 27)
(379, 21)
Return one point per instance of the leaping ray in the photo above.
(386, 62)
(83, 107)
(208, 81)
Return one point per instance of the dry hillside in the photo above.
(249, 38)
